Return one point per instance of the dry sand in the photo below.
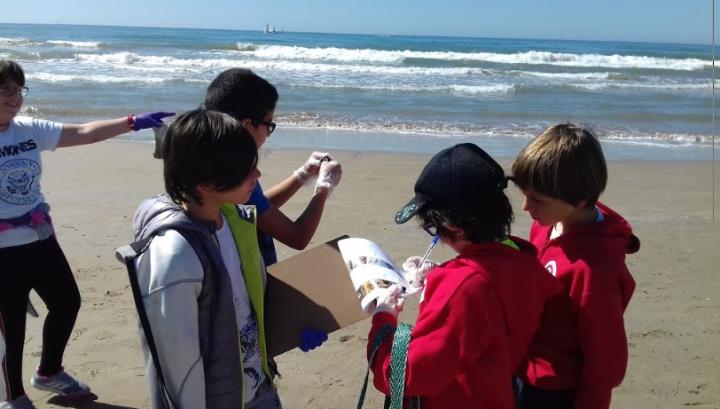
(673, 321)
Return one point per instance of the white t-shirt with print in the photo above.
(20, 171)
(246, 320)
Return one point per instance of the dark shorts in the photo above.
(266, 397)
(530, 397)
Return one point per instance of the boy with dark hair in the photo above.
(258, 95)
(251, 99)
(479, 310)
(580, 351)
(197, 275)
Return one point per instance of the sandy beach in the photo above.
(673, 322)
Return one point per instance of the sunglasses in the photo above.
(269, 124)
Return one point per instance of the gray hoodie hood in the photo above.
(159, 213)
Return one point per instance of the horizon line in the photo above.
(367, 34)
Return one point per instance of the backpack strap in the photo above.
(380, 337)
(398, 366)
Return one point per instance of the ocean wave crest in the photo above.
(152, 61)
(318, 121)
(659, 86)
(310, 120)
(246, 46)
(657, 138)
(565, 75)
(346, 55)
(124, 57)
(75, 44)
(419, 88)
(16, 42)
(128, 58)
(109, 79)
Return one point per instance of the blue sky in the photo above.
(676, 21)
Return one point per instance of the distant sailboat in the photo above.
(270, 29)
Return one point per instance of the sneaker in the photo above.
(63, 384)
(22, 402)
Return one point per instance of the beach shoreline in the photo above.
(673, 321)
(500, 146)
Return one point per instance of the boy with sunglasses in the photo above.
(479, 310)
(251, 99)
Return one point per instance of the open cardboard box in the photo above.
(309, 290)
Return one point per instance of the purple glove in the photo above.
(149, 120)
(312, 339)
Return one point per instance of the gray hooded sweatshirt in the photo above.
(186, 312)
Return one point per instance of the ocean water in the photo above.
(409, 94)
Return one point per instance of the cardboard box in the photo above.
(309, 290)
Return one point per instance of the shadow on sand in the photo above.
(85, 404)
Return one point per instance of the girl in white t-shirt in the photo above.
(30, 257)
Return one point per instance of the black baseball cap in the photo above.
(457, 176)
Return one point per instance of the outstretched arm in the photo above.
(96, 131)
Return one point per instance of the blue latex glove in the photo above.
(312, 339)
(150, 120)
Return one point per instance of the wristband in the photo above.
(131, 122)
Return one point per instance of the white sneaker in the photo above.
(63, 384)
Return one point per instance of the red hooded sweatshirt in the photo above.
(581, 344)
(474, 324)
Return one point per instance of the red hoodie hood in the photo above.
(612, 236)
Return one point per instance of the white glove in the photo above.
(388, 300)
(329, 176)
(416, 274)
(311, 167)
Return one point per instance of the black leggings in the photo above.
(40, 266)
